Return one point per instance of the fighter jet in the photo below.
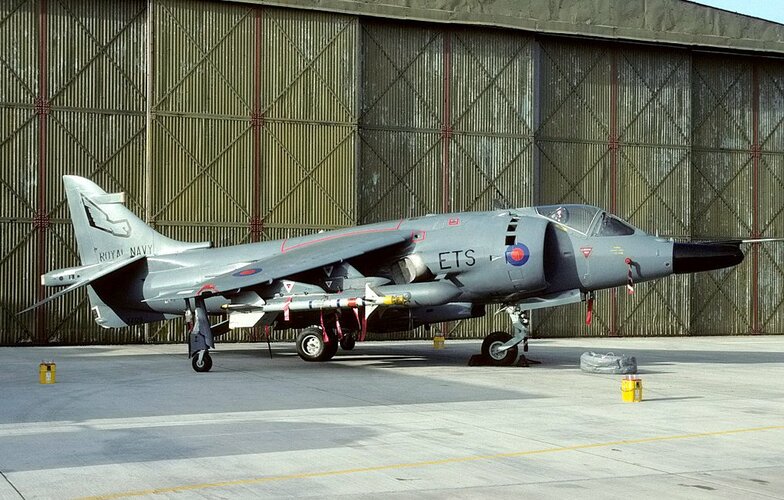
(336, 286)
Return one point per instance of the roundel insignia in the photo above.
(517, 255)
(247, 272)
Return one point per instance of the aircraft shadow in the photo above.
(551, 356)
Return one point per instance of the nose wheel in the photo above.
(500, 348)
(492, 352)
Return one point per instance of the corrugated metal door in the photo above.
(401, 171)
(77, 96)
(19, 132)
(446, 125)
(574, 139)
(255, 124)
(653, 131)
(770, 138)
(490, 127)
(202, 137)
(723, 188)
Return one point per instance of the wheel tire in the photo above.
(205, 365)
(310, 344)
(348, 342)
(490, 349)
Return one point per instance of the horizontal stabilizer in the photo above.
(98, 273)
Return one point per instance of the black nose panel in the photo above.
(696, 257)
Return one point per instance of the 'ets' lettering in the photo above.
(456, 259)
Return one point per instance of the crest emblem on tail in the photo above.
(100, 220)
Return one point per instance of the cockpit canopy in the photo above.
(586, 220)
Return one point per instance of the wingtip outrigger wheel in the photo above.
(202, 361)
(200, 338)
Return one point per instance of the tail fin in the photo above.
(107, 231)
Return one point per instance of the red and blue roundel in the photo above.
(247, 272)
(517, 255)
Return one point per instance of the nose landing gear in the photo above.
(500, 348)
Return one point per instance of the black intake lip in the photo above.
(698, 257)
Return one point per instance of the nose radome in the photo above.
(697, 257)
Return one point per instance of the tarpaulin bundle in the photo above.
(610, 363)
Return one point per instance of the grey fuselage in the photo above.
(501, 256)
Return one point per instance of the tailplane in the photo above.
(107, 231)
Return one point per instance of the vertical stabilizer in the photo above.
(107, 231)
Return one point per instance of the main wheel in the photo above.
(348, 342)
(204, 365)
(491, 353)
(311, 345)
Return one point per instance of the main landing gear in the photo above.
(500, 348)
(313, 346)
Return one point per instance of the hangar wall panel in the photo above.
(76, 72)
(723, 191)
(273, 122)
(771, 187)
(399, 174)
(771, 102)
(18, 246)
(96, 54)
(307, 186)
(203, 53)
(772, 256)
(490, 120)
(198, 160)
(18, 147)
(401, 116)
(308, 66)
(19, 71)
(490, 124)
(653, 186)
(615, 132)
(575, 96)
(402, 76)
(95, 84)
(571, 138)
(254, 124)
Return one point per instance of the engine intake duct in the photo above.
(697, 257)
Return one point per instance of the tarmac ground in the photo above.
(395, 419)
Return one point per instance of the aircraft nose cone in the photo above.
(697, 257)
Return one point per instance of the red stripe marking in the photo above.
(283, 248)
(209, 287)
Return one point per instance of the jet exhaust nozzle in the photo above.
(698, 257)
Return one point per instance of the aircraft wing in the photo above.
(291, 260)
